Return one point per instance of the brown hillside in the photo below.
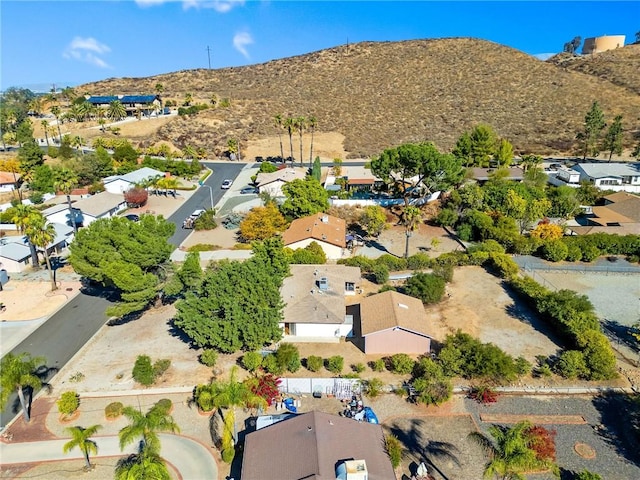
(620, 66)
(382, 94)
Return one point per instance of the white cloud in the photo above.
(543, 56)
(240, 41)
(150, 3)
(220, 6)
(88, 50)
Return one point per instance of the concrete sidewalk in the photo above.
(192, 459)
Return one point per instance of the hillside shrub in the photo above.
(571, 365)
(378, 365)
(143, 370)
(209, 357)
(430, 382)
(252, 361)
(419, 261)
(364, 263)
(358, 367)
(590, 253)
(443, 270)
(426, 287)
(554, 250)
(503, 265)
(380, 273)
(574, 254)
(314, 363)
(113, 410)
(393, 263)
(401, 363)
(68, 403)
(335, 364)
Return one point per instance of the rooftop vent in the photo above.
(402, 305)
(324, 219)
(323, 283)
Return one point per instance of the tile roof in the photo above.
(310, 446)
(9, 178)
(321, 227)
(306, 303)
(99, 204)
(390, 309)
(283, 175)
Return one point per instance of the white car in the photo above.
(226, 185)
(196, 214)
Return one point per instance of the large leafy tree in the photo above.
(613, 137)
(589, 137)
(417, 164)
(303, 198)
(262, 223)
(126, 255)
(374, 220)
(30, 156)
(16, 373)
(81, 438)
(237, 305)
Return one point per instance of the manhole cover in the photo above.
(584, 450)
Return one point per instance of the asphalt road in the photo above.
(59, 338)
(204, 197)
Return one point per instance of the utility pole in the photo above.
(209, 56)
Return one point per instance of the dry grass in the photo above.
(382, 94)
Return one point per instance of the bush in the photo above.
(503, 265)
(68, 403)
(143, 370)
(228, 454)
(160, 366)
(392, 262)
(335, 364)
(113, 410)
(555, 251)
(380, 273)
(136, 197)
(402, 364)
(590, 253)
(314, 363)
(37, 198)
(288, 357)
(394, 449)
(252, 361)
(373, 387)
(483, 394)
(419, 261)
(523, 366)
(163, 405)
(358, 367)
(571, 365)
(447, 217)
(208, 357)
(270, 364)
(431, 384)
(426, 287)
(378, 365)
(364, 263)
(599, 356)
(443, 270)
(206, 221)
(574, 254)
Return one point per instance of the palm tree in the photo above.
(509, 451)
(116, 111)
(190, 152)
(55, 111)
(289, 126)
(65, 181)
(17, 372)
(144, 465)
(300, 124)
(81, 438)
(312, 121)
(41, 233)
(45, 127)
(77, 142)
(411, 218)
(278, 122)
(157, 419)
(23, 215)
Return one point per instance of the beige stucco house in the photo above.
(328, 231)
(272, 183)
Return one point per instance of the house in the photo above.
(87, 210)
(122, 183)
(272, 182)
(15, 254)
(483, 175)
(9, 181)
(314, 298)
(317, 445)
(620, 214)
(620, 177)
(132, 103)
(328, 231)
(391, 322)
(602, 44)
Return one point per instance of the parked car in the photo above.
(196, 214)
(133, 217)
(248, 189)
(226, 185)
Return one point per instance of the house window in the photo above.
(349, 287)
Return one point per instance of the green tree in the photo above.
(483, 145)
(144, 465)
(316, 170)
(462, 150)
(116, 111)
(41, 233)
(564, 202)
(613, 138)
(30, 156)
(81, 438)
(425, 286)
(431, 383)
(145, 427)
(589, 138)
(398, 167)
(55, 111)
(510, 452)
(374, 220)
(126, 255)
(411, 219)
(504, 153)
(66, 180)
(17, 372)
(586, 474)
(303, 198)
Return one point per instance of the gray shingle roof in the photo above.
(99, 204)
(601, 170)
(14, 251)
(136, 176)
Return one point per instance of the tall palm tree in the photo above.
(157, 419)
(55, 111)
(116, 111)
(65, 180)
(144, 465)
(17, 372)
(411, 218)
(278, 122)
(509, 451)
(23, 215)
(312, 122)
(41, 233)
(290, 125)
(81, 438)
(300, 124)
(45, 128)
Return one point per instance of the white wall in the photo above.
(274, 188)
(7, 187)
(118, 186)
(332, 251)
(12, 266)
(320, 330)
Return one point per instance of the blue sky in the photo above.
(74, 42)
